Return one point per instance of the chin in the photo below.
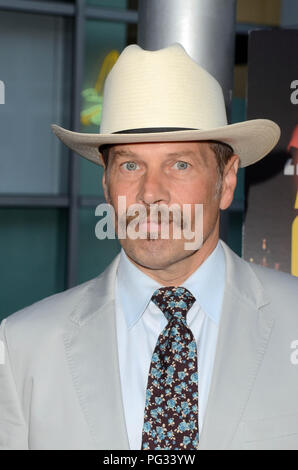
(155, 254)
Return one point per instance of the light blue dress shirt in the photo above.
(139, 322)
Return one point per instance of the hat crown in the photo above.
(163, 88)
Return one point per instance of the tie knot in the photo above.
(173, 301)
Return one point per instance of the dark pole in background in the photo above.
(205, 28)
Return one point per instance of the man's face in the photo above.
(168, 173)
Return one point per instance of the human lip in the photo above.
(148, 226)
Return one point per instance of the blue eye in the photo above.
(130, 166)
(182, 165)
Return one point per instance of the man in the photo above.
(171, 347)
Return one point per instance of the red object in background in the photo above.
(293, 150)
(294, 139)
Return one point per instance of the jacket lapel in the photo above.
(243, 335)
(91, 350)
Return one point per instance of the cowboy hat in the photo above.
(165, 96)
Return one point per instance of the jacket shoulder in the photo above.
(276, 281)
(49, 317)
(276, 289)
(51, 310)
(282, 291)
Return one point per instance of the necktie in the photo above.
(171, 407)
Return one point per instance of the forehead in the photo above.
(192, 149)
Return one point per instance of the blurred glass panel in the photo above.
(108, 3)
(94, 255)
(104, 41)
(34, 57)
(32, 253)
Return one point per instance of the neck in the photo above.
(176, 273)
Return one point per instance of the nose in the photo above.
(153, 188)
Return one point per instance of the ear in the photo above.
(105, 186)
(101, 159)
(229, 182)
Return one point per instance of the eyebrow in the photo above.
(183, 153)
(123, 153)
(189, 153)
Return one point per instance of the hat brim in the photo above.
(251, 140)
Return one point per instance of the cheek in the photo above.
(117, 192)
(202, 194)
(195, 193)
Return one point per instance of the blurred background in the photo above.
(54, 57)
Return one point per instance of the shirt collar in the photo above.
(135, 288)
(207, 283)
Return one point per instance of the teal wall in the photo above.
(32, 254)
(94, 254)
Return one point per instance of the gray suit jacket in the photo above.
(60, 385)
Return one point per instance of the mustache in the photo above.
(143, 219)
(157, 214)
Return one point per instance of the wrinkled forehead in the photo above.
(198, 150)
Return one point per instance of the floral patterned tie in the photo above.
(171, 408)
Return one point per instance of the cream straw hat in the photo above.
(165, 96)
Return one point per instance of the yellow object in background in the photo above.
(294, 267)
(92, 114)
(107, 65)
